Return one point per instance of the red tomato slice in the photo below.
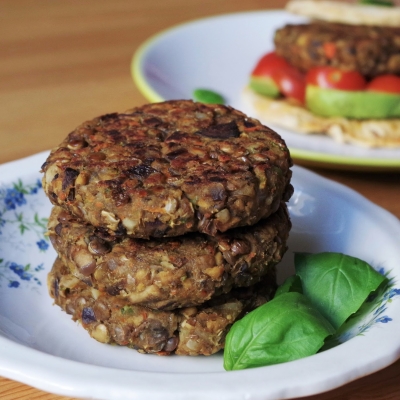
(292, 84)
(334, 78)
(269, 63)
(385, 83)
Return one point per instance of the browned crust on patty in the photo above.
(188, 331)
(170, 272)
(371, 50)
(169, 168)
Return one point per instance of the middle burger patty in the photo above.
(371, 50)
(171, 272)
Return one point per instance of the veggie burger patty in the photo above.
(186, 331)
(169, 168)
(170, 272)
(370, 50)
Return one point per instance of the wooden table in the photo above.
(65, 61)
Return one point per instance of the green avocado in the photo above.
(382, 3)
(352, 104)
(264, 86)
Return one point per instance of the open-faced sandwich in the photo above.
(338, 75)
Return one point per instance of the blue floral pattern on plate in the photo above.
(20, 226)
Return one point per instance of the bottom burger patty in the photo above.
(185, 331)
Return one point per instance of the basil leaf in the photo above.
(207, 96)
(364, 317)
(337, 284)
(284, 329)
(291, 284)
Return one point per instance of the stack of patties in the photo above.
(168, 222)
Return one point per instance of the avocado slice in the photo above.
(352, 104)
(264, 86)
(382, 3)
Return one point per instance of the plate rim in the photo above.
(309, 157)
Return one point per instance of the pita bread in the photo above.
(346, 13)
(367, 133)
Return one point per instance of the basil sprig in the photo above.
(308, 309)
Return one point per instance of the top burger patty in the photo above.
(371, 50)
(168, 168)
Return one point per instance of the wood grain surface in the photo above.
(66, 61)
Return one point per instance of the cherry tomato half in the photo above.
(385, 83)
(334, 78)
(292, 84)
(269, 63)
(290, 81)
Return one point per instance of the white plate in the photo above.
(41, 346)
(219, 53)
